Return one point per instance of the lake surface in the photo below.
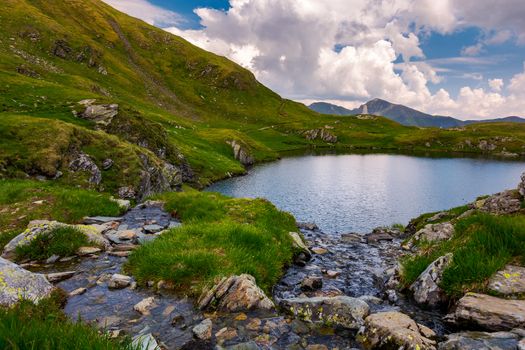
(355, 193)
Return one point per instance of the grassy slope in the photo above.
(482, 244)
(200, 100)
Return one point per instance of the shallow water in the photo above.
(355, 193)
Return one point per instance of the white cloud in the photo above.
(289, 45)
(146, 11)
(496, 84)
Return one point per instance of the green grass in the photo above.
(19, 198)
(45, 327)
(221, 236)
(482, 245)
(61, 241)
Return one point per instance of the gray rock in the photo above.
(432, 233)
(127, 192)
(118, 281)
(60, 276)
(309, 226)
(100, 219)
(251, 345)
(84, 251)
(83, 162)
(107, 163)
(521, 185)
(351, 238)
(100, 114)
(240, 153)
(508, 282)
(236, 293)
(438, 216)
(145, 342)
(480, 341)
(78, 291)
(426, 287)
(506, 202)
(395, 330)
(145, 305)
(320, 134)
(17, 283)
(153, 228)
(312, 283)
(52, 259)
(203, 330)
(490, 313)
(342, 311)
(299, 246)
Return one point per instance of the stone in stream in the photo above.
(52, 259)
(508, 282)
(126, 235)
(319, 250)
(343, 311)
(145, 342)
(202, 331)
(309, 226)
(83, 251)
(480, 340)
(301, 251)
(490, 313)
(118, 281)
(312, 283)
(60, 276)
(381, 234)
(395, 330)
(78, 291)
(145, 305)
(225, 334)
(351, 238)
(154, 228)
(235, 293)
(426, 287)
(251, 345)
(100, 219)
(17, 283)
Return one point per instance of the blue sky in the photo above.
(463, 58)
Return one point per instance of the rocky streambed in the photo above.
(340, 293)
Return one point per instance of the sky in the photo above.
(464, 58)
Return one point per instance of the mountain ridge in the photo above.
(405, 115)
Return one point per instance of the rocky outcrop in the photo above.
(340, 311)
(320, 134)
(490, 313)
(101, 114)
(240, 153)
(432, 233)
(235, 293)
(509, 282)
(394, 330)
(83, 162)
(17, 283)
(43, 227)
(426, 287)
(480, 340)
(506, 202)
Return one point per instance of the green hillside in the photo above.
(178, 106)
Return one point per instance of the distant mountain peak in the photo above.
(403, 115)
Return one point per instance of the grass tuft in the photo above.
(61, 241)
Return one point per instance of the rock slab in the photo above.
(426, 287)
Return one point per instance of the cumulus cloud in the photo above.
(496, 84)
(148, 12)
(354, 50)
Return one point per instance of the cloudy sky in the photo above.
(463, 58)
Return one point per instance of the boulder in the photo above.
(202, 331)
(426, 287)
(395, 330)
(506, 202)
(234, 294)
(309, 226)
(508, 282)
(343, 311)
(431, 233)
(490, 313)
(118, 281)
(83, 162)
(17, 283)
(240, 153)
(480, 340)
(101, 114)
(301, 249)
(380, 234)
(42, 227)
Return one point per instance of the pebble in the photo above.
(78, 291)
(319, 250)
